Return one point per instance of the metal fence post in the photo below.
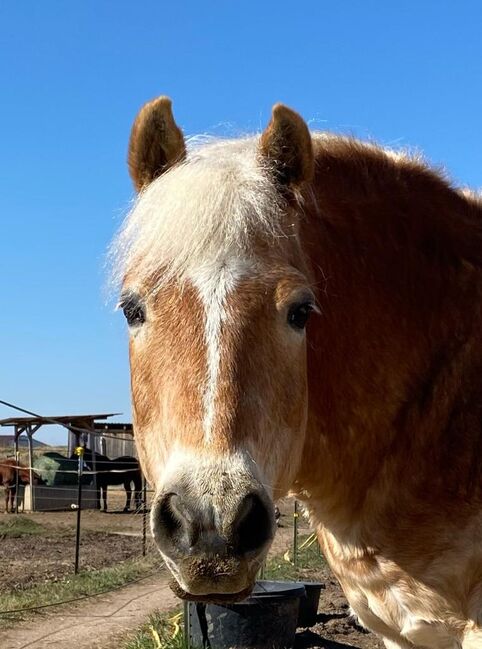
(187, 625)
(295, 534)
(79, 451)
(17, 460)
(144, 515)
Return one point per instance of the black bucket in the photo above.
(309, 603)
(267, 619)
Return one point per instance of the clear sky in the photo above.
(73, 75)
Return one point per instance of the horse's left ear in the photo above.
(286, 143)
(156, 142)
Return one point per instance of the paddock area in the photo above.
(39, 551)
(41, 546)
(52, 478)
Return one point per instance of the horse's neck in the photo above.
(393, 356)
(98, 457)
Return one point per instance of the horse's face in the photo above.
(24, 477)
(219, 393)
(36, 479)
(218, 373)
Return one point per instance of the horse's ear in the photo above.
(286, 143)
(156, 142)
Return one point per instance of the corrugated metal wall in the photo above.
(123, 445)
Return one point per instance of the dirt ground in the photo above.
(112, 521)
(106, 539)
(110, 538)
(31, 560)
(335, 628)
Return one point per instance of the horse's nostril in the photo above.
(169, 515)
(254, 525)
(176, 521)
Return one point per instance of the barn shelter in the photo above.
(89, 430)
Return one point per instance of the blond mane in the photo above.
(210, 207)
(199, 212)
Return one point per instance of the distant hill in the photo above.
(7, 441)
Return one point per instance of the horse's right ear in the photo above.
(156, 142)
(286, 144)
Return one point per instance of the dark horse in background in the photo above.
(8, 479)
(123, 470)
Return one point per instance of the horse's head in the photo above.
(36, 479)
(24, 476)
(217, 295)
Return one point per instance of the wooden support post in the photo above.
(31, 430)
(30, 464)
(92, 445)
(18, 431)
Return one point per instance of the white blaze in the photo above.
(214, 283)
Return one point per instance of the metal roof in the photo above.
(63, 419)
(114, 426)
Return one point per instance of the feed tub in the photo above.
(267, 618)
(309, 603)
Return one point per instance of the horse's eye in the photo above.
(298, 315)
(133, 309)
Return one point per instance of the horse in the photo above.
(9, 468)
(305, 313)
(123, 470)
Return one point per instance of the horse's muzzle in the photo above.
(214, 546)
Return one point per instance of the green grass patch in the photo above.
(81, 585)
(310, 562)
(20, 526)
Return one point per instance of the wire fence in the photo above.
(141, 512)
(137, 518)
(82, 470)
(75, 493)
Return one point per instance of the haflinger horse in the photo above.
(8, 478)
(123, 470)
(305, 314)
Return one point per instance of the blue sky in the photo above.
(75, 73)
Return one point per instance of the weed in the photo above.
(309, 563)
(161, 631)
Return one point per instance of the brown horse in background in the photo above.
(8, 479)
(305, 316)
